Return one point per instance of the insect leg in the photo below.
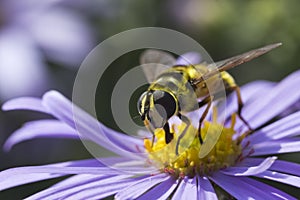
(208, 101)
(168, 135)
(153, 138)
(240, 106)
(186, 120)
(146, 122)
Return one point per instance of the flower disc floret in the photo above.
(224, 152)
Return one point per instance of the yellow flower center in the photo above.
(218, 150)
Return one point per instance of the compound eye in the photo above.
(141, 103)
(165, 103)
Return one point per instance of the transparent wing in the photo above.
(245, 57)
(236, 60)
(154, 62)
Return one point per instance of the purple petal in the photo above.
(190, 58)
(123, 165)
(57, 170)
(100, 190)
(76, 184)
(137, 166)
(280, 177)
(110, 161)
(59, 106)
(24, 103)
(90, 128)
(276, 147)
(79, 167)
(273, 102)
(251, 90)
(26, 178)
(19, 176)
(135, 190)
(205, 189)
(278, 165)
(276, 193)
(249, 93)
(23, 175)
(250, 170)
(187, 189)
(286, 167)
(161, 191)
(40, 129)
(68, 183)
(283, 128)
(247, 188)
(131, 166)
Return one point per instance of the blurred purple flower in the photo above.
(31, 32)
(136, 178)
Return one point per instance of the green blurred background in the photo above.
(223, 28)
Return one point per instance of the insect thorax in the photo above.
(177, 80)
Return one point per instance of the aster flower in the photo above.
(147, 171)
(31, 30)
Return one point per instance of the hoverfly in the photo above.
(174, 88)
